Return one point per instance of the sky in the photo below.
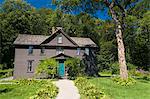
(47, 4)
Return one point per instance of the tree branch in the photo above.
(107, 3)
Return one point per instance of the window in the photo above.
(78, 51)
(30, 50)
(59, 39)
(42, 50)
(59, 50)
(87, 51)
(30, 68)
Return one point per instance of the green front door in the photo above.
(61, 70)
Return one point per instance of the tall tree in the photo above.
(16, 16)
(117, 10)
(143, 42)
(136, 35)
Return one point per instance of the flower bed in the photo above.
(88, 90)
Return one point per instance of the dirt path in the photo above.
(67, 90)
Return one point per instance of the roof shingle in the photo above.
(26, 39)
(83, 41)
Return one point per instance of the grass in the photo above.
(16, 91)
(141, 90)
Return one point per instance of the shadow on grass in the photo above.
(5, 90)
(105, 76)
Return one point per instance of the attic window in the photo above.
(59, 39)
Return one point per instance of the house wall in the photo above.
(22, 57)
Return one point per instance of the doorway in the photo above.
(61, 68)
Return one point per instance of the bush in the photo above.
(122, 82)
(74, 67)
(115, 68)
(131, 66)
(141, 74)
(47, 67)
(131, 69)
(1, 66)
(88, 90)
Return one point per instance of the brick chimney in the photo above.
(59, 28)
(56, 28)
(53, 29)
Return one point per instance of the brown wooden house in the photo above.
(31, 49)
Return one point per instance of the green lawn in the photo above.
(141, 90)
(16, 91)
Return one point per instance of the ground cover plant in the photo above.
(88, 90)
(140, 90)
(28, 89)
(124, 82)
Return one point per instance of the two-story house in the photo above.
(31, 49)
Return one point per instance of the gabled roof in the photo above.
(83, 42)
(56, 33)
(26, 39)
(61, 56)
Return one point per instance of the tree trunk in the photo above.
(121, 49)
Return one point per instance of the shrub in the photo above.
(73, 67)
(141, 74)
(123, 82)
(1, 66)
(48, 67)
(131, 66)
(115, 68)
(88, 90)
(131, 69)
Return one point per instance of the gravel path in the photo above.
(67, 90)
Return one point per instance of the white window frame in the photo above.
(59, 39)
(78, 51)
(87, 50)
(30, 66)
